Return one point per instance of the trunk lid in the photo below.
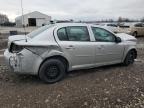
(15, 38)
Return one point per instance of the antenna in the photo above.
(23, 19)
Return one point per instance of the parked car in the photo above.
(135, 29)
(53, 50)
(110, 26)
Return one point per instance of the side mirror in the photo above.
(118, 40)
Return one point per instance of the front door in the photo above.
(76, 45)
(107, 51)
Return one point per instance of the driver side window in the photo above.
(102, 35)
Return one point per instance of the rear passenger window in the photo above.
(73, 33)
(62, 34)
(78, 33)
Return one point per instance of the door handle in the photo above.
(70, 47)
(101, 47)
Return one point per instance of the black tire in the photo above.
(135, 34)
(52, 70)
(129, 58)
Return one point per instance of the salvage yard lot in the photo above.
(113, 86)
(109, 87)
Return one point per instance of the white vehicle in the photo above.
(53, 50)
(135, 29)
(110, 26)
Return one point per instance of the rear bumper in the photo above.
(11, 61)
(23, 63)
(135, 57)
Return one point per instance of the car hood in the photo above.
(126, 37)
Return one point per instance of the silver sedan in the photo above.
(53, 50)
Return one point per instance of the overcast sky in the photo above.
(76, 9)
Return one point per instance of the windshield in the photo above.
(39, 30)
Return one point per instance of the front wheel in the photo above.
(52, 71)
(129, 58)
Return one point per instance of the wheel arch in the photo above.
(131, 49)
(63, 59)
(135, 52)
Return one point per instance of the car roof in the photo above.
(59, 25)
(74, 24)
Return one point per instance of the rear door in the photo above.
(75, 43)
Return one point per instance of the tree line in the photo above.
(4, 20)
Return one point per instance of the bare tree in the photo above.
(120, 19)
(3, 18)
(142, 20)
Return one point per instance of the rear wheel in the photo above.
(129, 58)
(52, 71)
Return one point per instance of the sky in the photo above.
(76, 9)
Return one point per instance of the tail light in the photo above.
(16, 48)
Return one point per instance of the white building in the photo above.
(32, 19)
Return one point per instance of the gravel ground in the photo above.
(105, 87)
(140, 40)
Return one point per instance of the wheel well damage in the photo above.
(61, 58)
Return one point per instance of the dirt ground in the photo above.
(105, 87)
(140, 40)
